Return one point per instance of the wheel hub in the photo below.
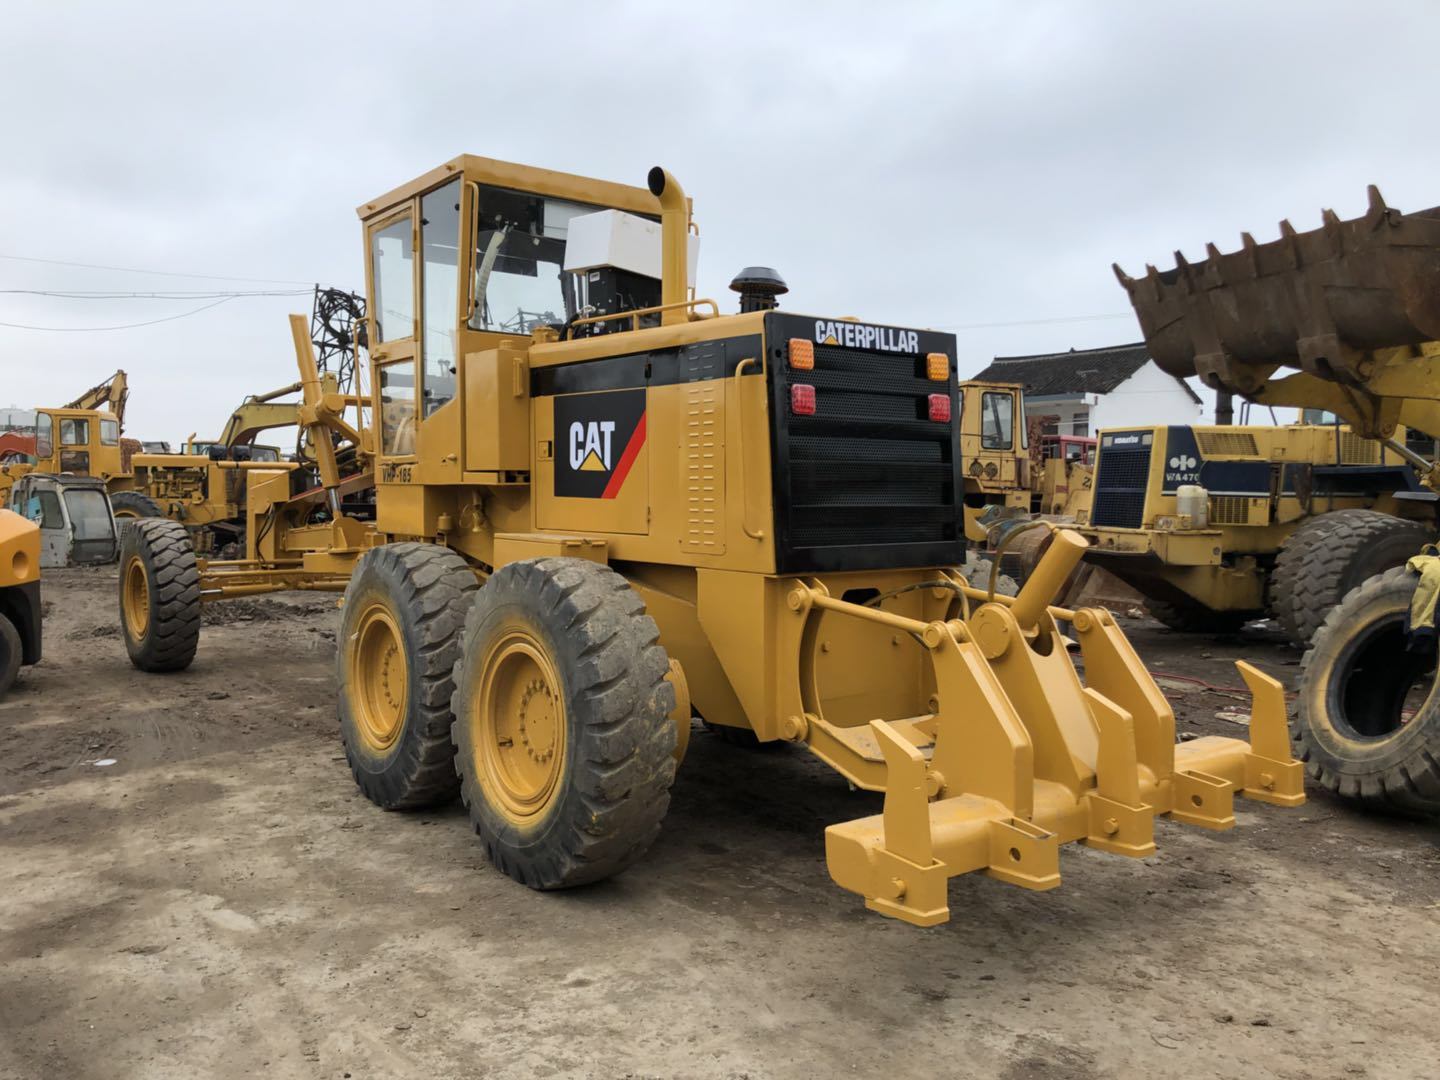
(378, 680)
(135, 598)
(518, 726)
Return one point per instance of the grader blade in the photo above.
(1025, 757)
(1320, 301)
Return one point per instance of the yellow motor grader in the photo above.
(1344, 319)
(590, 506)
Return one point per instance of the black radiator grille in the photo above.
(1121, 475)
(869, 480)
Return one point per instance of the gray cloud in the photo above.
(929, 164)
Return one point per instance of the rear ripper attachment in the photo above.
(1018, 756)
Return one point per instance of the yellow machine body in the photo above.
(783, 493)
(19, 594)
(1258, 484)
(1004, 475)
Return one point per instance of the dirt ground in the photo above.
(221, 902)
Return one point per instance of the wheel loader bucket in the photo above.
(1319, 301)
(1021, 756)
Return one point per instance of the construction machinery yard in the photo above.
(222, 893)
(881, 646)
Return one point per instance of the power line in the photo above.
(125, 326)
(81, 294)
(1039, 322)
(157, 273)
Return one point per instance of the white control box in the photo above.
(620, 240)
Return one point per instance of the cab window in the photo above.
(44, 510)
(109, 432)
(74, 432)
(397, 409)
(439, 293)
(44, 435)
(997, 421)
(89, 515)
(392, 263)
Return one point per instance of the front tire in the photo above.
(159, 595)
(563, 734)
(1368, 722)
(1332, 553)
(399, 637)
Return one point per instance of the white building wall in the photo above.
(1147, 397)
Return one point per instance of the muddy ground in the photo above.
(221, 902)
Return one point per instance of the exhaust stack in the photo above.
(674, 228)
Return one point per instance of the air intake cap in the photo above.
(758, 287)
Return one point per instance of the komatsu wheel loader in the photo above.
(588, 506)
(1344, 319)
(1218, 525)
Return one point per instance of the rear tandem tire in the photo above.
(399, 637)
(159, 595)
(1368, 722)
(563, 733)
(1332, 553)
(12, 651)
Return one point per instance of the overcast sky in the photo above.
(945, 164)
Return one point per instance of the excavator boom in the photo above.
(110, 394)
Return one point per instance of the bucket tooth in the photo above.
(1204, 800)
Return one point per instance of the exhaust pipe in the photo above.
(674, 240)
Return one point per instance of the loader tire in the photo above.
(1368, 722)
(399, 637)
(159, 595)
(563, 736)
(1195, 619)
(132, 504)
(1330, 554)
(12, 651)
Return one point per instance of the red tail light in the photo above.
(802, 399)
(940, 408)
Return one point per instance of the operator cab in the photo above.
(77, 526)
(80, 442)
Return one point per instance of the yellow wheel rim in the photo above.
(135, 598)
(121, 514)
(379, 679)
(517, 727)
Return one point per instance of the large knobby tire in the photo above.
(159, 595)
(563, 737)
(134, 504)
(1330, 554)
(1195, 619)
(399, 637)
(12, 651)
(1368, 723)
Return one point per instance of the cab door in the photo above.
(390, 269)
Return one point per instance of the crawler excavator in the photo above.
(591, 505)
(1344, 319)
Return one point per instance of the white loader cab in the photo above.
(77, 526)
